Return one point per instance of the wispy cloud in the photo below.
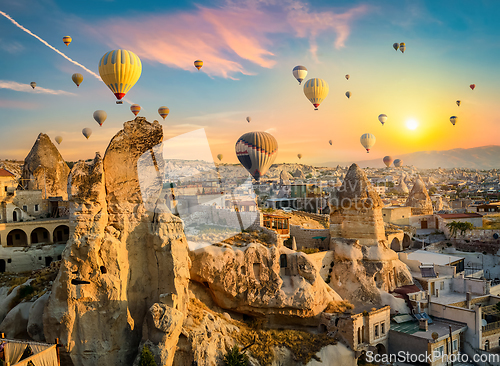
(13, 85)
(229, 39)
(11, 47)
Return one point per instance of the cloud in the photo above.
(13, 85)
(231, 39)
(11, 47)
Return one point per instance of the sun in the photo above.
(411, 124)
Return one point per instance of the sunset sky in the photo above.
(249, 49)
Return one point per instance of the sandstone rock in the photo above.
(16, 322)
(6, 300)
(299, 174)
(419, 199)
(402, 188)
(249, 280)
(35, 319)
(45, 169)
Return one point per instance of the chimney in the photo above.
(423, 325)
(468, 297)
(418, 308)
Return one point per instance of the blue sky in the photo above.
(249, 49)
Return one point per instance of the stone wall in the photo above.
(304, 237)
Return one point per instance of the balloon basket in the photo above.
(119, 102)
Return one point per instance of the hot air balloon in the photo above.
(382, 118)
(458, 103)
(58, 139)
(135, 108)
(316, 91)
(388, 161)
(398, 163)
(347, 76)
(163, 111)
(100, 116)
(33, 84)
(300, 73)
(77, 79)
(472, 86)
(249, 119)
(299, 156)
(402, 47)
(67, 40)
(453, 120)
(367, 140)
(120, 70)
(330, 142)
(348, 94)
(256, 151)
(87, 132)
(198, 64)
(395, 46)
(220, 156)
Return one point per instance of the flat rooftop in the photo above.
(460, 216)
(425, 257)
(441, 327)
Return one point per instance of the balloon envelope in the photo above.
(77, 79)
(135, 108)
(395, 46)
(402, 47)
(398, 163)
(220, 156)
(458, 103)
(163, 111)
(348, 94)
(382, 118)
(388, 161)
(33, 84)
(330, 142)
(256, 151)
(58, 139)
(472, 86)
(87, 132)
(367, 140)
(453, 120)
(100, 116)
(120, 70)
(249, 119)
(198, 64)
(299, 156)
(67, 40)
(316, 91)
(347, 76)
(300, 73)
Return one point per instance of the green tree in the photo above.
(235, 357)
(147, 358)
(456, 227)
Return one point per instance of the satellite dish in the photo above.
(495, 236)
(434, 335)
(484, 322)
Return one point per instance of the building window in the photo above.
(442, 285)
(376, 331)
(455, 345)
(487, 345)
(382, 328)
(37, 208)
(440, 352)
(25, 208)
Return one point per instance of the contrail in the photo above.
(48, 45)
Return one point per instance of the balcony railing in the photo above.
(491, 326)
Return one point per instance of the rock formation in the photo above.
(257, 280)
(299, 174)
(419, 199)
(356, 210)
(124, 273)
(402, 188)
(45, 169)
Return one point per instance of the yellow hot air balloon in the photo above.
(120, 70)
(135, 108)
(458, 103)
(299, 156)
(33, 84)
(163, 111)
(316, 91)
(67, 40)
(198, 64)
(58, 139)
(77, 79)
(220, 156)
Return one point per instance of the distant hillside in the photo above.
(484, 157)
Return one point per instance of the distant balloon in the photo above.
(120, 70)
(330, 142)
(256, 151)
(472, 86)
(33, 84)
(453, 120)
(402, 47)
(249, 119)
(77, 79)
(220, 156)
(299, 156)
(388, 161)
(395, 46)
(398, 163)
(87, 132)
(67, 40)
(163, 111)
(135, 108)
(382, 118)
(367, 140)
(316, 91)
(348, 94)
(347, 76)
(458, 103)
(58, 139)
(198, 64)
(100, 116)
(300, 73)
